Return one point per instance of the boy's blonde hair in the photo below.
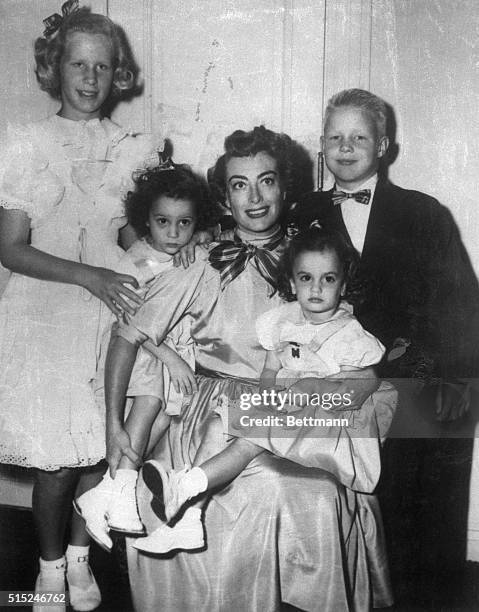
(364, 100)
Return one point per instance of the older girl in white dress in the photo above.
(62, 182)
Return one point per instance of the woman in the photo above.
(279, 532)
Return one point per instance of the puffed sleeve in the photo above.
(26, 180)
(268, 327)
(353, 346)
(170, 297)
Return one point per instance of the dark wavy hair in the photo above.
(49, 51)
(178, 183)
(245, 144)
(317, 239)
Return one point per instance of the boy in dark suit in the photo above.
(422, 302)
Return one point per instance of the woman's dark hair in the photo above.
(317, 239)
(178, 183)
(245, 144)
(49, 51)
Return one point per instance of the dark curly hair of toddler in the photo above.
(178, 183)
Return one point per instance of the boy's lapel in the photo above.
(381, 232)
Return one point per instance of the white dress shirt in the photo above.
(356, 215)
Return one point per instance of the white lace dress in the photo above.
(69, 177)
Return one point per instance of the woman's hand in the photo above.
(226, 235)
(186, 254)
(110, 287)
(182, 377)
(118, 444)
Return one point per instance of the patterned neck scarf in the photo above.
(232, 256)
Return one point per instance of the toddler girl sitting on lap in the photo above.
(167, 205)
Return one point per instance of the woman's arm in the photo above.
(118, 367)
(272, 366)
(20, 257)
(357, 384)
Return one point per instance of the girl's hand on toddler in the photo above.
(118, 443)
(186, 254)
(182, 377)
(110, 287)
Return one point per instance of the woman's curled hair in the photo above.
(179, 182)
(316, 238)
(50, 49)
(246, 144)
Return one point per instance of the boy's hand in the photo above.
(118, 443)
(186, 254)
(182, 377)
(452, 401)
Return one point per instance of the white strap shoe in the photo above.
(51, 580)
(82, 586)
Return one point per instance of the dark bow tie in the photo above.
(231, 258)
(362, 196)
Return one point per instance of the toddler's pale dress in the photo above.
(318, 350)
(69, 177)
(312, 435)
(149, 376)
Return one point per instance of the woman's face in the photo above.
(254, 192)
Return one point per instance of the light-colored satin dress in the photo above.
(280, 531)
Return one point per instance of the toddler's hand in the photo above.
(110, 287)
(182, 377)
(118, 443)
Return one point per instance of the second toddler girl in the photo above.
(166, 207)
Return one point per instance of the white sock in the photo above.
(125, 480)
(74, 552)
(193, 483)
(106, 477)
(77, 566)
(191, 515)
(126, 477)
(52, 565)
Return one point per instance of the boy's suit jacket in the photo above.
(418, 281)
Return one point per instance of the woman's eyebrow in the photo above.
(237, 176)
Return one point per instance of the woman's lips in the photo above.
(257, 212)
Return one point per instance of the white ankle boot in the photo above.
(93, 507)
(123, 511)
(187, 534)
(82, 586)
(51, 580)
